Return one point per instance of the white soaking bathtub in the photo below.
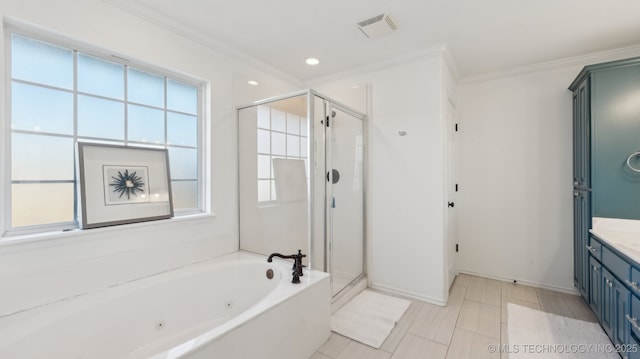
(225, 308)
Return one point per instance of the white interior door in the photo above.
(452, 188)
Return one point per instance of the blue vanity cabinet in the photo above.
(606, 183)
(615, 308)
(634, 283)
(616, 278)
(606, 141)
(581, 248)
(632, 353)
(606, 133)
(595, 248)
(607, 310)
(620, 299)
(621, 302)
(594, 276)
(595, 287)
(582, 134)
(617, 265)
(634, 326)
(581, 183)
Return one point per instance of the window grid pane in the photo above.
(41, 203)
(182, 97)
(41, 109)
(145, 88)
(279, 135)
(98, 104)
(185, 194)
(100, 77)
(145, 124)
(41, 158)
(94, 112)
(40, 62)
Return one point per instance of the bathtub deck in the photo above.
(205, 310)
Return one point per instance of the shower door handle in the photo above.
(333, 176)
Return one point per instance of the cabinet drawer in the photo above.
(595, 248)
(635, 315)
(616, 265)
(634, 284)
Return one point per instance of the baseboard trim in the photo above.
(408, 294)
(523, 282)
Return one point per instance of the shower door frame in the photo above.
(329, 106)
(327, 102)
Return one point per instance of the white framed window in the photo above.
(60, 94)
(279, 135)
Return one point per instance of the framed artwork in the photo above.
(123, 184)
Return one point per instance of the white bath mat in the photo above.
(536, 334)
(369, 317)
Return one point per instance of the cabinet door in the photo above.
(616, 128)
(595, 287)
(581, 225)
(633, 349)
(608, 304)
(581, 136)
(622, 304)
(577, 139)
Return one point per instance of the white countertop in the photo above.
(621, 234)
(628, 243)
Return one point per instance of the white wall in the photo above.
(405, 211)
(515, 205)
(515, 202)
(41, 269)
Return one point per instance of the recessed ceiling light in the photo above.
(253, 83)
(312, 61)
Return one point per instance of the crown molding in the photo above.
(185, 30)
(434, 51)
(580, 60)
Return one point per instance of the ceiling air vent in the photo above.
(377, 26)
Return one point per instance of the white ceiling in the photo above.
(483, 36)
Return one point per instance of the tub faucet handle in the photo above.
(296, 277)
(297, 264)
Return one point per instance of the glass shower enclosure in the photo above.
(301, 169)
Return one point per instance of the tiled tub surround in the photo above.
(208, 309)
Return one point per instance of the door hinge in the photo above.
(456, 127)
(327, 121)
(456, 247)
(456, 187)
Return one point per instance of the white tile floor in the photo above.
(474, 318)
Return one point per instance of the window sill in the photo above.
(8, 240)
